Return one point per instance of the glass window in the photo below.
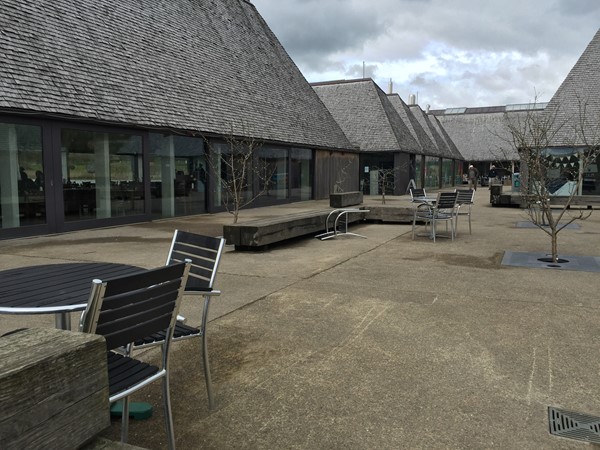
(102, 174)
(432, 172)
(272, 174)
(301, 174)
(178, 175)
(22, 184)
(447, 175)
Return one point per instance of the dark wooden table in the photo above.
(57, 289)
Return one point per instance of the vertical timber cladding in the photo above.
(335, 169)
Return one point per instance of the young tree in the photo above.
(242, 175)
(555, 153)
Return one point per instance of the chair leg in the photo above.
(470, 222)
(125, 420)
(168, 412)
(207, 377)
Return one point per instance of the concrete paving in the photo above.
(384, 342)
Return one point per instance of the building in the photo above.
(108, 110)
(398, 144)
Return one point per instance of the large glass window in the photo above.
(447, 174)
(22, 184)
(432, 172)
(102, 174)
(419, 171)
(272, 174)
(301, 174)
(178, 175)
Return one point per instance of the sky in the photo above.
(448, 53)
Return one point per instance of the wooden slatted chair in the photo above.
(464, 200)
(126, 309)
(205, 253)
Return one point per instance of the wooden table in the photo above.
(57, 289)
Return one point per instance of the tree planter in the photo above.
(343, 199)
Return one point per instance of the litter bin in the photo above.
(516, 182)
(495, 193)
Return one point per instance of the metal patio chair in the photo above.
(205, 254)
(128, 308)
(443, 209)
(416, 194)
(464, 200)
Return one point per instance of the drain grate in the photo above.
(572, 425)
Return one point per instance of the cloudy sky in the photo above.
(449, 53)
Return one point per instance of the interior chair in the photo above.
(464, 200)
(128, 308)
(442, 210)
(415, 193)
(205, 254)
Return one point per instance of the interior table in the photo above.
(58, 289)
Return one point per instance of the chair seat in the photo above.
(124, 372)
(181, 331)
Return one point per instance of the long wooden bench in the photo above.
(259, 233)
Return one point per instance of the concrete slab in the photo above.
(384, 342)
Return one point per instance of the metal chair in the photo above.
(442, 210)
(464, 200)
(205, 254)
(126, 309)
(416, 193)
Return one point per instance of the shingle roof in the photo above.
(427, 145)
(366, 115)
(432, 128)
(580, 87)
(179, 64)
(481, 136)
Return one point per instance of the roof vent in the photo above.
(412, 99)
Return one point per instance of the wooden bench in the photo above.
(259, 233)
(54, 386)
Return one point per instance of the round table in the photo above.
(54, 288)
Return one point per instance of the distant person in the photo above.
(493, 175)
(39, 180)
(473, 175)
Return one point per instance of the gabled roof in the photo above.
(482, 136)
(366, 115)
(417, 131)
(202, 66)
(580, 88)
(442, 146)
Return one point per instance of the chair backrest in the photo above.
(205, 254)
(465, 196)
(446, 200)
(131, 307)
(417, 192)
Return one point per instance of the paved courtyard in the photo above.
(384, 342)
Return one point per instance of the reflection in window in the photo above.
(432, 172)
(22, 183)
(102, 174)
(272, 174)
(178, 175)
(300, 174)
(447, 175)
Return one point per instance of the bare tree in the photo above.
(242, 175)
(342, 175)
(386, 180)
(548, 169)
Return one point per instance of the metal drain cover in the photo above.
(572, 425)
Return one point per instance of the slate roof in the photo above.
(366, 116)
(483, 136)
(580, 87)
(202, 66)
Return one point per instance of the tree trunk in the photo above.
(554, 246)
